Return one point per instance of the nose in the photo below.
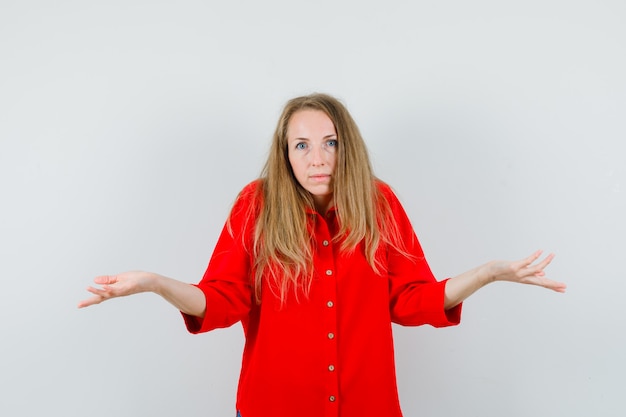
(317, 156)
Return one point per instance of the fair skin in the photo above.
(529, 270)
(312, 150)
(312, 144)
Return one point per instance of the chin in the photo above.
(318, 192)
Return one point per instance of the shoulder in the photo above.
(251, 191)
(389, 206)
(249, 199)
(387, 193)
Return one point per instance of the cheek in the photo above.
(292, 162)
(333, 160)
(296, 166)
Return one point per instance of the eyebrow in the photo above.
(332, 135)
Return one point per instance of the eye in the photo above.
(300, 145)
(332, 142)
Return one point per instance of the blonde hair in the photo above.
(283, 245)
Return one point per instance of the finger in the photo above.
(99, 295)
(548, 283)
(545, 262)
(532, 258)
(90, 301)
(560, 287)
(525, 263)
(539, 266)
(538, 269)
(555, 286)
(105, 279)
(104, 293)
(101, 292)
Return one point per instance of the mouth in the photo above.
(320, 177)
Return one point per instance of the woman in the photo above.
(317, 259)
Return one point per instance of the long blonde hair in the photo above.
(283, 245)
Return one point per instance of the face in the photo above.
(312, 145)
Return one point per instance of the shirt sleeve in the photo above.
(227, 282)
(416, 297)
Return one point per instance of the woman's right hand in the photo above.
(185, 297)
(120, 285)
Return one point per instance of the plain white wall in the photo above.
(128, 127)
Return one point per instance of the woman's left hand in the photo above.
(525, 271)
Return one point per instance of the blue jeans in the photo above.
(238, 413)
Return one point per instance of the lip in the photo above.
(319, 177)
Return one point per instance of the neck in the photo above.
(323, 203)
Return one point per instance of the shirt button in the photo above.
(329, 272)
(325, 243)
(332, 398)
(331, 368)
(330, 304)
(331, 335)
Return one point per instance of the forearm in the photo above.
(462, 286)
(185, 297)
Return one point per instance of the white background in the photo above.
(128, 127)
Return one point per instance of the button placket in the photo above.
(326, 265)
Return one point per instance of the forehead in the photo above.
(310, 123)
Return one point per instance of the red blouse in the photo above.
(330, 354)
